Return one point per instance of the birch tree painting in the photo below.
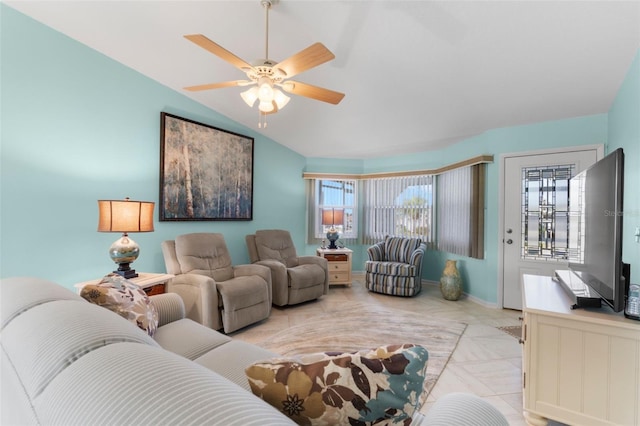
(205, 173)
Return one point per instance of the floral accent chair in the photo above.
(395, 266)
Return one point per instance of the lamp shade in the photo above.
(332, 216)
(125, 216)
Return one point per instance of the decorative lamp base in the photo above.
(125, 271)
(123, 252)
(332, 237)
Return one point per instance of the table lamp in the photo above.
(125, 216)
(332, 217)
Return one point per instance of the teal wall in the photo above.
(624, 132)
(78, 127)
(481, 276)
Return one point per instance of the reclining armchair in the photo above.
(395, 266)
(215, 293)
(295, 279)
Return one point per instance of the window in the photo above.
(335, 194)
(461, 211)
(400, 206)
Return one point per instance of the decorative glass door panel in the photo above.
(545, 212)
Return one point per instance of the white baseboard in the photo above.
(465, 295)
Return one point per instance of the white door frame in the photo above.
(503, 158)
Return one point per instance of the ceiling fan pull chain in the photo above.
(262, 120)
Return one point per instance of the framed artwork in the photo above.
(206, 173)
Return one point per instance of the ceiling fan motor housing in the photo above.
(266, 68)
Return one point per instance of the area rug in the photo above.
(514, 330)
(363, 326)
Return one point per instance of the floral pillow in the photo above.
(125, 298)
(380, 386)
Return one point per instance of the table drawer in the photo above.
(338, 277)
(337, 257)
(154, 289)
(338, 267)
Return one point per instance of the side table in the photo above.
(150, 283)
(339, 265)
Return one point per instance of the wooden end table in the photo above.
(339, 265)
(150, 283)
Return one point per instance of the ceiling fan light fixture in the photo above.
(280, 98)
(265, 90)
(250, 96)
(266, 106)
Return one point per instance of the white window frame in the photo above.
(320, 230)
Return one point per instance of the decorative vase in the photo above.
(450, 281)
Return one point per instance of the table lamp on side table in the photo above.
(332, 217)
(125, 216)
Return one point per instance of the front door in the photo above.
(535, 201)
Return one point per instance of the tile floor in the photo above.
(486, 362)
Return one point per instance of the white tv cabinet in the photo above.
(580, 367)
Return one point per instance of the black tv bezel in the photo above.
(618, 282)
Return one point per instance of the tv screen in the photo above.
(595, 228)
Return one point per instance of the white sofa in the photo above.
(66, 361)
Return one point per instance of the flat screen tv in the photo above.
(595, 228)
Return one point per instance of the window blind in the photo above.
(398, 206)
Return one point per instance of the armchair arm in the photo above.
(255, 269)
(200, 297)
(322, 262)
(416, 258)
(279, 281)
(376, 252)
(170, 307)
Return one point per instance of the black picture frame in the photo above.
(206, 173)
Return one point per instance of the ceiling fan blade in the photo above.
(308, 58)
(313, 92)
(217, 85)
(219, 51)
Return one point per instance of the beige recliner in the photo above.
(215, 293)
(295, 279)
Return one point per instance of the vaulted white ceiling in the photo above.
(418, 75)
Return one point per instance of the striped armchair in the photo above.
(395, 266)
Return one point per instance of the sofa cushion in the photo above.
(22, 293)
(231, 359)
(383, 384)
(131, 384)
(125, 298)
(189, 339)
(48, 338)
(399, 249)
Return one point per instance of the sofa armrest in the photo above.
(463, 409)
(170, 307)
(200, 296)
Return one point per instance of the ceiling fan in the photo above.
(266, 75)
